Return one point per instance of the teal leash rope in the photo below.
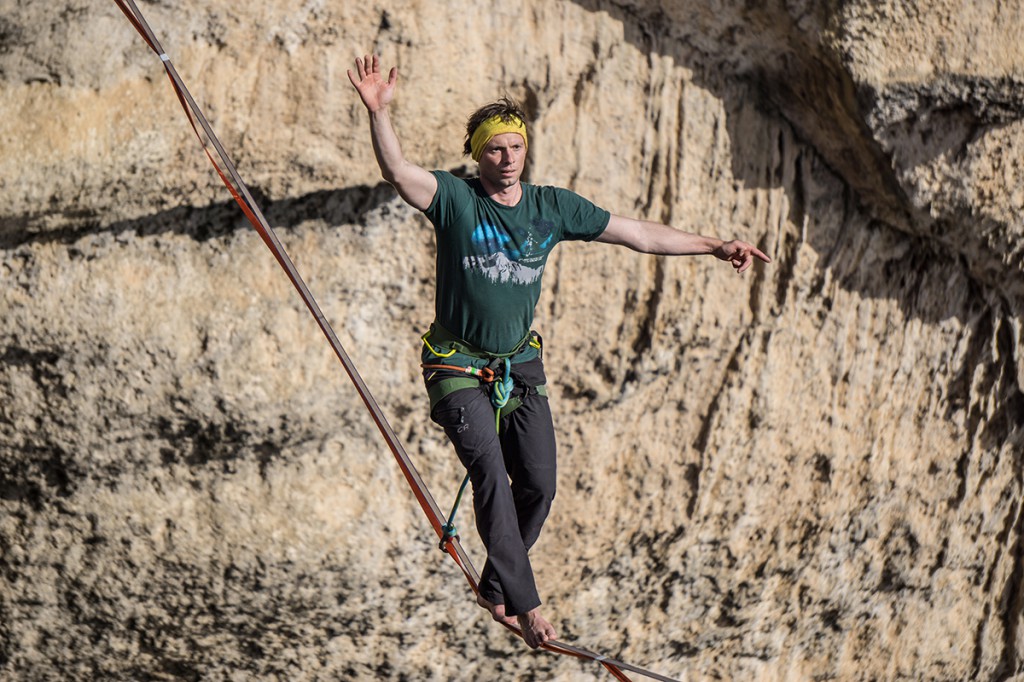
(448, 530)
(501, 391)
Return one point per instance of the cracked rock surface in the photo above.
(810, 472)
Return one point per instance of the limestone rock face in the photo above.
(809, 472)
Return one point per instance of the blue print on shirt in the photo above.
(504, 259)
(488, 239)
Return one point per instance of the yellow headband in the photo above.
(491, 127)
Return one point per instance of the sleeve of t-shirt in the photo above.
(449, 199)
(582, 220)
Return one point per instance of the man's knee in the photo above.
(541, 486)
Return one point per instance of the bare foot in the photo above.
(497, 611)
(536, 630)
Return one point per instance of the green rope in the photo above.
(501, 391)
(448, 530)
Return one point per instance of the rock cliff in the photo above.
(810, 472)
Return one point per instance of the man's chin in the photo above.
(500, 181)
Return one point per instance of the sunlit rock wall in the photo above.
(809, 472)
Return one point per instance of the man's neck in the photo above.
(506, 196)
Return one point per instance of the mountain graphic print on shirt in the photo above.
(499, 258)
(491, 257)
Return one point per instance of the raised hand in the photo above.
(375, 92)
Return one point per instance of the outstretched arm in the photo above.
(415, 185)
(649, 237)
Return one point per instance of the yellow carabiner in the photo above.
(433, 350)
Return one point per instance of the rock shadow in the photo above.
(202, 223)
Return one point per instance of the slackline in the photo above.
(233, 181)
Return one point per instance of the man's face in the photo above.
(502, 160)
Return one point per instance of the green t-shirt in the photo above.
(490, 257)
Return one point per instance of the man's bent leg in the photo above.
(468, 419)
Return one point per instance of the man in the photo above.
(494, 234)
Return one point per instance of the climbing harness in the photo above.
(233, 181)
(478, 366)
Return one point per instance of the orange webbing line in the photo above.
(244, 199)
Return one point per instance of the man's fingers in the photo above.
(369, 65)
(743, 256)
(741, 260)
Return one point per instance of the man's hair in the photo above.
(505, 108)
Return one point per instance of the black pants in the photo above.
(513, 476)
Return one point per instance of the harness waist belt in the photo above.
(438, 338)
